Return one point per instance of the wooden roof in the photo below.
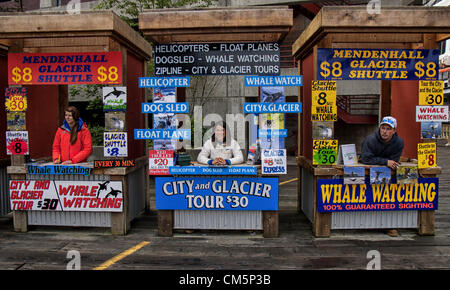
(392, 25)
(62, 32)
(216, 24)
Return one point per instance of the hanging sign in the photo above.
(115, 144)
(16, 99)
(432, 113)
(426, 155)
(159, 161)
(65, 68)
(431, 93)
(217, 59)
(17, 143)
(325, 152)
(377, 64)
(323, 97)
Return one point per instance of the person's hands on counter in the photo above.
(392, 164)
(67, 162)
(219, 161)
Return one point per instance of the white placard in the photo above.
(273, 161)
(115, 144)
(55, 195)
(431, 113)
(17, 143)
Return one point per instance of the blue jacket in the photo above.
(376, 152)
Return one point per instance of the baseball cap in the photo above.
(391, 121)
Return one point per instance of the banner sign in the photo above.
(185, 134)
(155, 82)
(212, 170)
(273, 161)
(159, 161)
(65, 68)
(286, 81)
(268, 108)
(55, 195)
(17, 143)
(335, 196)
(377, 64)
(217, 59)
(184, 193)
(432, 113)
(113, 163)
(426, 155)
(323, 97)
(169, 108)
(16, 99)
(325, 152)
(58, 169)
(269, 133)
(431, 93)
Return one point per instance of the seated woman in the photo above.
(220, 150)
(73, 141)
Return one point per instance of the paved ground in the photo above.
(296, 248)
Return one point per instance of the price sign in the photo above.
(17, 143)
(16, 99)
(159, 161)
(377, 64)
(115, 144)
(323, 95)
(426, 155)
(325, 152)
(431, 93)
(64, 68)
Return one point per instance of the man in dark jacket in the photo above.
(383, 147)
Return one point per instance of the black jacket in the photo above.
(376, 152)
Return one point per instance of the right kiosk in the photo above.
(389, 59)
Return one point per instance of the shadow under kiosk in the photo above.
(50, 36)
(353, 29)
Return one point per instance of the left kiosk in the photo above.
(41, 54)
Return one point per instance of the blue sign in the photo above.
(260, 81)
(281, 133)
(169, 108)
(377, 64)
(223, 193)
(58, 169)
(335, 196)
(267, 108)
(141, 134)
(212, 170)
(154, 82)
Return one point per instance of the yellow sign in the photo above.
(431, 93)
(16, 103)
(325, 152)
(426, 155)
(323, 94)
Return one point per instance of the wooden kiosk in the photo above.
(246, 24)
(87, 32)
(354, 27)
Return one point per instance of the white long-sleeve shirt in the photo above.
(232, 152)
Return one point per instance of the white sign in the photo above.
(115, 144)
(159, 161)
(55, 195)
(114, 98)
(431, 113)
(273, 161)
(17, 143)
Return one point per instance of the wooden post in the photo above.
(270, 224)
(120, 221)
(165, 223)
(321, 221)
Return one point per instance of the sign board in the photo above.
(377, 64)
(114, 99)
(55, 195)
(16, 99)
(191, 59)
(285, 81)
(273, 161)
(325, 152)
(224, 193)
(431, 113)
(115, 144)
(159, 161)
(65, 68)
(17, 143)
(323, 97)
(335, 196)
(426, 155)
(431, 93)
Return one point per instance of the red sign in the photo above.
(65, 68)
(159, 161)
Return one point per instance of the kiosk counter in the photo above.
(217, 198)
(77, 195)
